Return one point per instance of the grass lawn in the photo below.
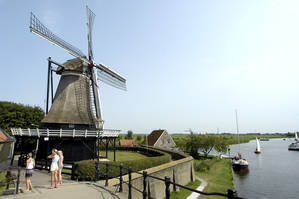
(219, 176)
(183, 193)
(123, 155)
(2, 182)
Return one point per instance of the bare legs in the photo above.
(53, 179)
(59, 176)
(28, 185)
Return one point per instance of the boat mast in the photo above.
(237, 128)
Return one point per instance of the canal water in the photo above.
(273, 174)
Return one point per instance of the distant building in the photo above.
(6, 149)
(160, 138)
(126, 142)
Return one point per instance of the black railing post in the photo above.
(18, 180)
(73, 171)
(97, 176)
(167, 184)
(144, 193)
(120, 178)
(130, 183)
(232, 194)
(107, 176)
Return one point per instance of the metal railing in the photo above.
(64, 133)
(231, 193)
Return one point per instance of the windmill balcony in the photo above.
(64, 133)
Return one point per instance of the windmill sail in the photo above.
(39, 29)
(110, 77)
(105, 74)
(90, 20)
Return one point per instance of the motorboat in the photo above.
(294, 146)
(264, 139)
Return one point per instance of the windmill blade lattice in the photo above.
(90, 21)
(111, 78)
(39, 29)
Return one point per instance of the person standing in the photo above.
(30, 164)
(54, 168)
(60, 166)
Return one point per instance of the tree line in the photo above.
(194, 143)
(19, 115)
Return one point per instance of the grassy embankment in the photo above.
(183, 193)
(218, 174)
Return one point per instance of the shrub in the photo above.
(201, 166)
(85, 170)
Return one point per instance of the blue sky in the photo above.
(188, 64)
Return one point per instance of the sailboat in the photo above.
(294, 146)
(238, 162)
(258, 147)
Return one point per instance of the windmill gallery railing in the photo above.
(231, 193)
(64, 133)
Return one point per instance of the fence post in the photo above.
(144, 193)
(97, 172)
(232, 194)
(107, 176)
(18, 180)
(120, 178)
(73, 172)
(130, 183)
(167, 184)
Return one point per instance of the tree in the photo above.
(22, 116)
(129, 134)
(139, 137)
(207, 143)
(221, 145)
(192, 145)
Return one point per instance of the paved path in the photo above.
(69, 189)
(203, 184)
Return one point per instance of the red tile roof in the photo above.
(154, 136)
(126, 142)
(4, 137)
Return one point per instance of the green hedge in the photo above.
(85, 169)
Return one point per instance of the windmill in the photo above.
(74, 123)
(88, 110)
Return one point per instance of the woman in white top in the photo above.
(60, 166)
(30, 164)
(54, 167)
